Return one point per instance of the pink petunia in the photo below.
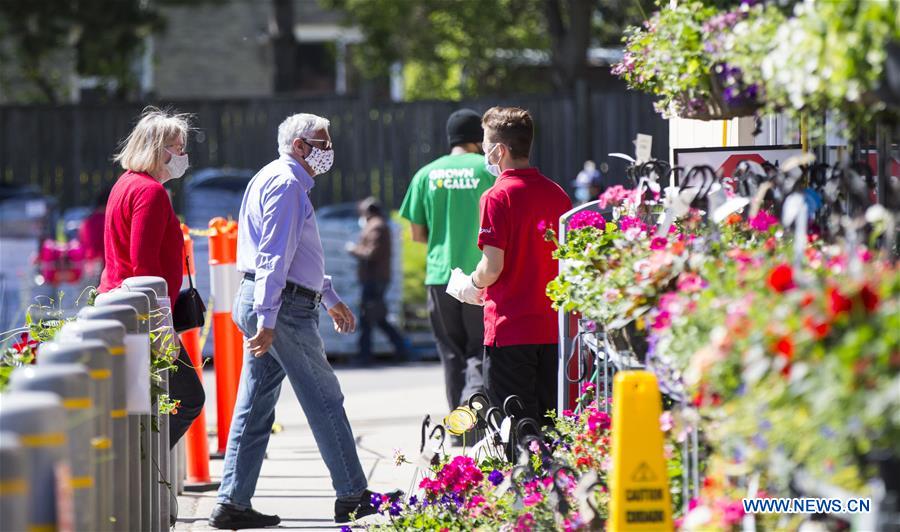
(532, 499)
(690, 282)
(658, 242)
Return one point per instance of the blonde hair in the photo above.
(142, 150)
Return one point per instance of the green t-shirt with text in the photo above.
(444, 196)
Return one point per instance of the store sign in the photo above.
(639, 484)
(725, 160)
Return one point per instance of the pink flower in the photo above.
(658, 242)
(476, 500)
(732, 513)
(616, 195)
(598, 419)
(567, 413)
(587, 219)
(534, 447)
(666, 421)
(524, 523)
(662, 320)
(763, 221)
(690, 282)
(532, 499)
(542, 226)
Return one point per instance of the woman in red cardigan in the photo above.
(142, 236)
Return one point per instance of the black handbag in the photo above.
(189, 311)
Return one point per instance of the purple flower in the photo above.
(375, 500)
(413, 500)
(346, 529)
(495, 477)
(395, 509)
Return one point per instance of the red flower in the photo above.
(658, 242)
(819, 329)
(807, 300)
(24, 343)
(838, 303)
(784, 347)
(781, 278)
(869, 298)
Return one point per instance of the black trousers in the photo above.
(184, 386)
(374, 314)
(459, 333)
(529, 371)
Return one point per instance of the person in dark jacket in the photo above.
(374, 271)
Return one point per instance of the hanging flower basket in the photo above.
(723, 103)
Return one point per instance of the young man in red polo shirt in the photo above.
(520, 327)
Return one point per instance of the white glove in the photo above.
(462, 289)
(471, 294)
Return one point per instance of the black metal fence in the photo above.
(66, 150)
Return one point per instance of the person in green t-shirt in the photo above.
(442, 205)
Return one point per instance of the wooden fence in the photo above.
(66, 150)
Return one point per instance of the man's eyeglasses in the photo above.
(319, 143)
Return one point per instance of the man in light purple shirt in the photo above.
(277, 307)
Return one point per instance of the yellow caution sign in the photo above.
(639, 485)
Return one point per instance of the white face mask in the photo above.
(177, 165)
(320, 160)
(493, 169)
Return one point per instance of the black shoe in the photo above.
(359, 507)
(227, 517)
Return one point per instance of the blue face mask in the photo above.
(493, 169)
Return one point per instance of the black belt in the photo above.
(294, 289)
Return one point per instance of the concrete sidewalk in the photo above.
(385, 405)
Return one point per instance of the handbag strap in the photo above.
(187, 266)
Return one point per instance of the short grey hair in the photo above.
(298, 126)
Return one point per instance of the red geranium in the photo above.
(784, 347)
(869, 298)
(819, 329)
(838, 303)
(781, 278)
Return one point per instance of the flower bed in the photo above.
(561, 484)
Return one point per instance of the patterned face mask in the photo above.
(320, 160)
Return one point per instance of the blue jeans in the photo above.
(297, 352)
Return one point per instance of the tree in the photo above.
(465, 48)
(284, 45)
(105, 37)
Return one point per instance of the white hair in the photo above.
(298, 126)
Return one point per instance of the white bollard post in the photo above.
(94, 355)
(38, 419)
(71, 383)
(109, 325)
(14, 480)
